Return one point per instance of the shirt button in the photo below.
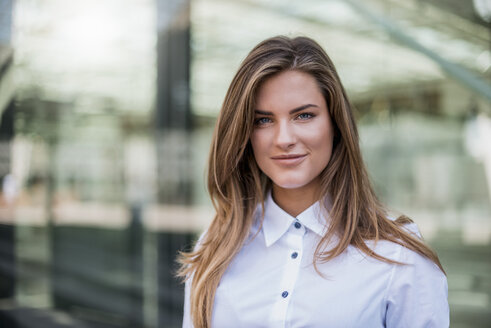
(294, 255)
(284, 294)
(297, 225)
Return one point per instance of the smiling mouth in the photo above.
(289, 160)
(290, 156)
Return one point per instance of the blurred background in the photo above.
(107, 109)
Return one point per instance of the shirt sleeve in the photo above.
(418, 294)
(186, 320)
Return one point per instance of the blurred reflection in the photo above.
(107, 109)
(478, 139)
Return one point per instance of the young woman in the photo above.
(299, 238)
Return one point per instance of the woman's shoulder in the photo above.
(200, 240)
(395, 251)
(407, 224)
(418, 289)
(412, 259)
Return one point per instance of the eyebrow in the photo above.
(293, 111)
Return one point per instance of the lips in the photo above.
(289, 159)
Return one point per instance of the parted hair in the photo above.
(237, 186)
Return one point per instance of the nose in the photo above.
(285, 136)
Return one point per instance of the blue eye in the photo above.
(262, 120)
(305, 116)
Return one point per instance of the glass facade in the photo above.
(107, 110)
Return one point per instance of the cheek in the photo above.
(325, 143)
(260, 149)
(322, 143)
(258, 143)
(318, 140)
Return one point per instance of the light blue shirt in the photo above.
(272, 282)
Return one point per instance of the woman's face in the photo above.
(293, 133)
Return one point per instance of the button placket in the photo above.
(293, 244)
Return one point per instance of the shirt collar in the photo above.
(277, 221)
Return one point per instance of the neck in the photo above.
(294, 201)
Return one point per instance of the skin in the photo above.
(292, 138)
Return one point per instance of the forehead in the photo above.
(289, 88)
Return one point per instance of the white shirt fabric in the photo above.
(272, 282)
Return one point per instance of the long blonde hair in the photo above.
(237, 185)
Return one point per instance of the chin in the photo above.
(290, 184)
